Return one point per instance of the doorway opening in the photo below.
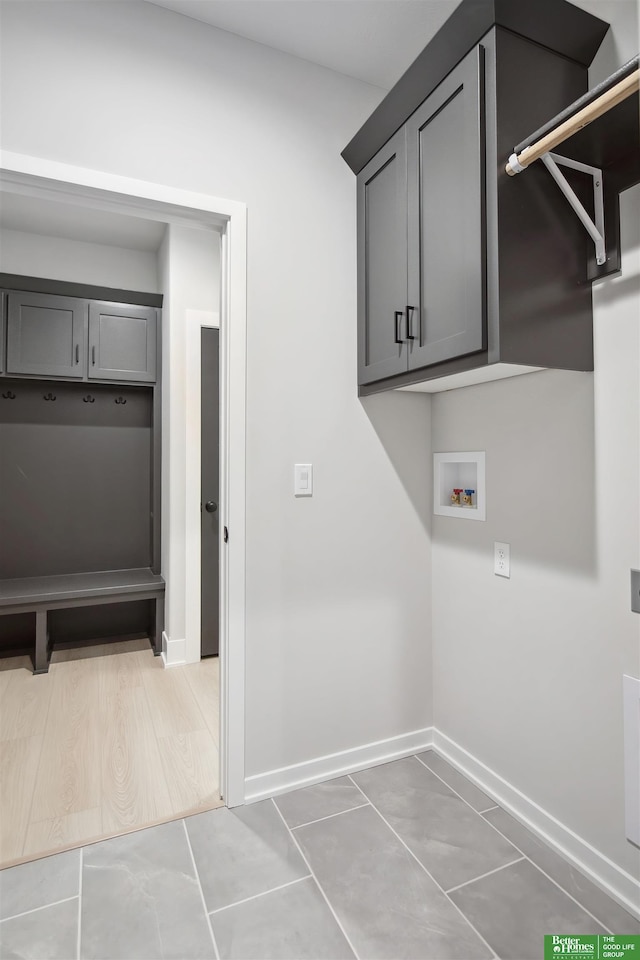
(95, 191)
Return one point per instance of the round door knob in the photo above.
(211, 506)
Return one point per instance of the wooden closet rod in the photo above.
(596, 108)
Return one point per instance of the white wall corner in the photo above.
(619, 884)
(275, 782)
(174, 652)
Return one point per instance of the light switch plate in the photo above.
(635, 591)
(303, 480)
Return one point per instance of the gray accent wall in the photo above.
(75, 478)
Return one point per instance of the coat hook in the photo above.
(9, 395)
(120, 400)
(89, 399)
(49, 396)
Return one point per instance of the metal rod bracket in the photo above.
(594, 229)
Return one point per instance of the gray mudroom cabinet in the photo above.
(46, 335)
(122, 342)
(57, 336)
(466, 274)
(80, 466)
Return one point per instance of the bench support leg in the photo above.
(41, 659)
(158, 626)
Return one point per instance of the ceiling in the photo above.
(371, 40)
(74, 222)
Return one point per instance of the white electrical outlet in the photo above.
(501, 559)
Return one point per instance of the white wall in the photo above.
(57, 258)
(189, 266)
(528, 671)
(338, 616)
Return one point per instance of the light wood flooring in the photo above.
(107, 742)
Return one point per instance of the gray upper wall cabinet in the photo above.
(46, 335)
(122, 342)
(445, 143)
(491, 269)
(382, 262)
(420, 225)
(51, 336)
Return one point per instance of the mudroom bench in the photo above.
(39, 595)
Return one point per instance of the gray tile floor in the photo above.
(406, 860)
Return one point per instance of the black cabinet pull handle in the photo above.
(398, 314)
(409, 312)
(211, 506)
(93, 356)
(77, 353)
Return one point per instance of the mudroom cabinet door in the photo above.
(3, 303)
(46, 335)
(446, 265)
(382, 262)
(122, 342)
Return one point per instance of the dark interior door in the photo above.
(209, 493)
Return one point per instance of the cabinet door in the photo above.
(122, 342)
(446, 273)
(3, 304)
(382, 262)
(46, 335)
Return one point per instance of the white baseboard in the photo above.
(621, 886)
(604, 872)
(174, 652)
(274, 782)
